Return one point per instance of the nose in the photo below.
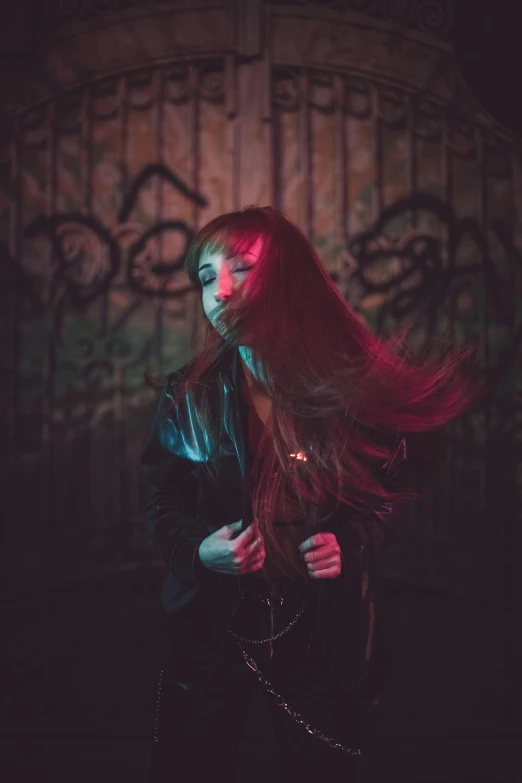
(224, 289)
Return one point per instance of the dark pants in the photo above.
(204, 733)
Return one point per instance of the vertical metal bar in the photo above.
(13, 420)
(123, 115)
(512, 536)
(194, 130)
(124, 132)
(158, 126)
(412, 159)
(346, 175)
(86, 175)
(265, 72)
(379, 162)
(494, 539)
(340, 175)
(194, 135)
(447, 172)
(277, 191)
(117, 379)
(237, 141)
(50, 367)
(308, 155)
(514, 644)
(483, 217)
(119, 420)
(231, 86)
(412, 173)
(86, 150)
(234, 87)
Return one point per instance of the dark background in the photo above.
(487, 44)
(85, 713)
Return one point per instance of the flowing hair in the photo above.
(339, 393)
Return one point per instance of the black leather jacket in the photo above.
(186, 507)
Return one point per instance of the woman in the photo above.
(277, 458)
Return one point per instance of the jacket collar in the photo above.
(231, 367)
(236, 421)
(231, 374)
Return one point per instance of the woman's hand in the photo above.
(323, 556)
(225, 552)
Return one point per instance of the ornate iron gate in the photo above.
(412, 200)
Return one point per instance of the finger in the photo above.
(315, 568)
(321, 539)
(259, 558)
(319, 555)
(252, 547)
(315, 541)
(251, 531)
(255, 543)
(327, 562)
(325, 573)
(245, 540)
(233, 530)
(318, 562)
(255, 554)
(304, 546)
(252, 565)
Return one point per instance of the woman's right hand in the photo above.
(223, 553)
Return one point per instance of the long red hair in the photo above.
(338, 391)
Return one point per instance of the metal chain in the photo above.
(279, 699)
(158, 699)
(268, 687)
(293, 714)
(271, 638)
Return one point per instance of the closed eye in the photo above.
(208, 280)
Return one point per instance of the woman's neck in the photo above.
(250, 372)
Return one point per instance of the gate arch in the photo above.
(360, 128)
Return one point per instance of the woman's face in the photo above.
(220, 276)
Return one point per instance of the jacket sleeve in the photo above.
(171, 514)
(363, 539)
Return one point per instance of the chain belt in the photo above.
(271, 638)
(267, 685)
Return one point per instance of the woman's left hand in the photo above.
(324, 562)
